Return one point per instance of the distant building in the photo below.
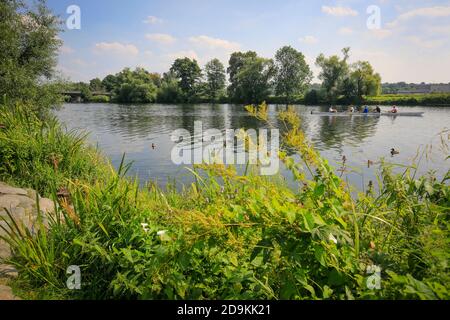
(440, 88)
(425, 88)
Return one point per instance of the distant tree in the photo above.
(334, 71)
(236, 62)
(170, 90)
(28, 53)
(96, 85)
(362, 81)
(215, 78)
(254, 80)
(188, 74)
(250, 77)
(292, 73)
(109, 82)
(156, 79)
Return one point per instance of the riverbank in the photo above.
(437, 99)
(149, 243)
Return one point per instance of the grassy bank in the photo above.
(225, 236)
(410, 99)
(313, 99)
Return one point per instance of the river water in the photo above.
(143, 133)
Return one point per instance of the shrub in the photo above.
(100, 99)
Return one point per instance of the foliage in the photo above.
(228, 236)
(42, 155)
(96, 85)
(334, 72)
(250, 77)
(292, 73)
(362, 81)
(169, 91)
(215, 79)
(99, 99)
(28, 52)
(188, 74)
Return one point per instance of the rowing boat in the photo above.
(373, 114)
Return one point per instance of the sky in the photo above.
(407, 41)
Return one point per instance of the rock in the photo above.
(5, 251)
(8, 271)
(31, 194)
(5, 189)
(6, 293)
(9, 201)
(46, 205)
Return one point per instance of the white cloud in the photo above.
(191, 54)
(427, 44)
(345, 31)
(161, 38)
(429, 12)
(152, 20)
(308, 40)
(214, 43)
(339, 11)
(116, 48)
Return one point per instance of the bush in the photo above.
(99, 99)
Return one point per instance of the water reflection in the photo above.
(133, 129)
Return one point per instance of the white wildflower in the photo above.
(145, 227)
(161, 232)
(332, 238)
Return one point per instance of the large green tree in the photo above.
(96, 85)
(363, 81)
(189, 74)
(292, 73)
(235, 63)
(215, 78)
(28, 53)
(334, 71)
(250, 77)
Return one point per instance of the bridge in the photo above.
(75, 96)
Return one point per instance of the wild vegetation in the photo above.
(225, 236)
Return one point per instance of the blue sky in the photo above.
(412, 43)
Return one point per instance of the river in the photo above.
(143, 133)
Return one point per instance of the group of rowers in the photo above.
(351, 109)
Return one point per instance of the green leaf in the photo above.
(290, 215)
(308, 220)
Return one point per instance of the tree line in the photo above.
(251, 79)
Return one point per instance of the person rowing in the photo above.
(377, 109)
(332, 110)
(366, 109)
(351, 109)
(394, 109)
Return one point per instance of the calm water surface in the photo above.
(132, 129)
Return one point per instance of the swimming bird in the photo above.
(394, 152)
(369, 163)
(153, 146)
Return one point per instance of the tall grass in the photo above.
(239, 237)
(41, 154)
